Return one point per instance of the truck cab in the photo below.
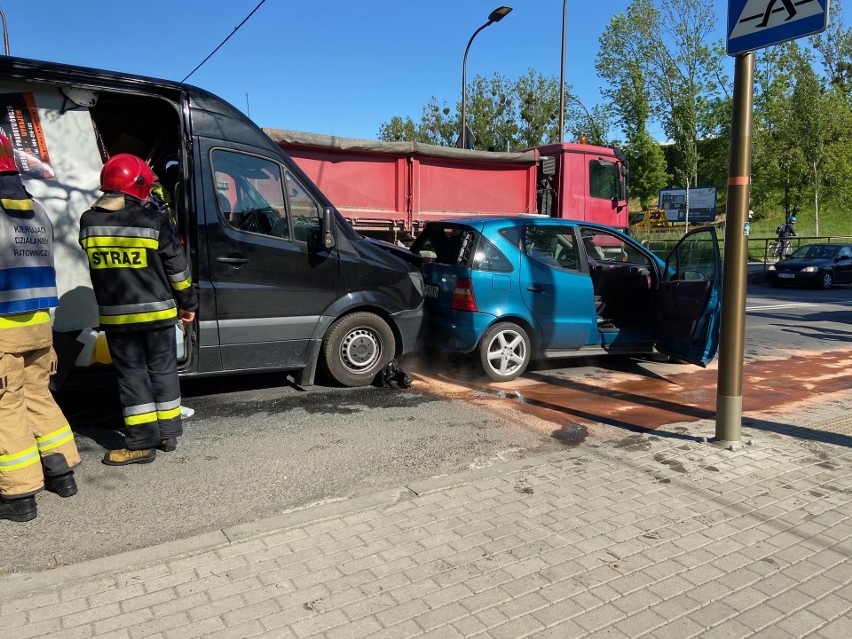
(284, 281)
(586, 182)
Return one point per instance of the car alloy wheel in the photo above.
(504, 351)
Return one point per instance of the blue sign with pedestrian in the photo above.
(754, 24)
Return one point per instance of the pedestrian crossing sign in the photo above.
(754, 24)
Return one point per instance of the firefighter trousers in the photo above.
(148, 385)
(35, 438)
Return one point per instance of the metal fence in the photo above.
(762, 250)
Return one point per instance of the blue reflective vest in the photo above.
(27, 275)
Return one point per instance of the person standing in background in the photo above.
(37, 448)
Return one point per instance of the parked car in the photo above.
(507, 290)
(817, 265)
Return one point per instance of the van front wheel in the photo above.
(356, 348)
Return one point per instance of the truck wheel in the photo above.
(356, 348)
(504, 351)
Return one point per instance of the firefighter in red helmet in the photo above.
(143, 286)
(37, 446)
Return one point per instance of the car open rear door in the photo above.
(688, 307)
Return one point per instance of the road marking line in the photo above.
(795, 305)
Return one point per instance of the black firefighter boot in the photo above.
(18, 509)
(62, 485)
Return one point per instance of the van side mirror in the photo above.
(327, 228)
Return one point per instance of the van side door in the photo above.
(271, 275)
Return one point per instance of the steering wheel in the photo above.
(566, 260)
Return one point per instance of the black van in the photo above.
(285, 283)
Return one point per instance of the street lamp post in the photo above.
(562, 77)
(495, 16)
(5, 33)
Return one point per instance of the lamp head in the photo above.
(499, 13)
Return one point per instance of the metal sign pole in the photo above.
(729, 393)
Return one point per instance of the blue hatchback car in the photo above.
(510, 289)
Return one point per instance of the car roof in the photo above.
(490, 221)
(829, 244)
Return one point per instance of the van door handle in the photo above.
(233, 261)
(536, 288)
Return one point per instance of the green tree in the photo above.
(503, 116)
(538, 102)
(581, 123)
(400, 129)
(647, 168)
(662, 50)
(807, 104)
(790, 127)
(436, 125)
(630, 102)
(685, 145)
(835, 48)
(621, 61)
(835, 175)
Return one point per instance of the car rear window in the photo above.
(457, 246)
(444, 244)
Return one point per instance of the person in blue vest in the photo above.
(143, 286)
(37, 448)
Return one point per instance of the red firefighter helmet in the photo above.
(127, 174)
(7, 156)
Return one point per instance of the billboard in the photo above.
(702, 204)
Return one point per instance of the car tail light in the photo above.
(463, 299)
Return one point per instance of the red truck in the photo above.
(389, 190)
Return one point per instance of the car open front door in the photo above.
(688, 308)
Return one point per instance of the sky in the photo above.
(323, 66)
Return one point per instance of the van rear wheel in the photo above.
(356, 348)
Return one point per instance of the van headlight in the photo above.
(417, 280)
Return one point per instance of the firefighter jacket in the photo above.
(27, 276)
(138, 267)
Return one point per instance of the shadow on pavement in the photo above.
(656, 403)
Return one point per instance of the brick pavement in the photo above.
(641, 535)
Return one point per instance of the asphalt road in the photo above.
(258, 446)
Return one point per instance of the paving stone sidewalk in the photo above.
(644, 535)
